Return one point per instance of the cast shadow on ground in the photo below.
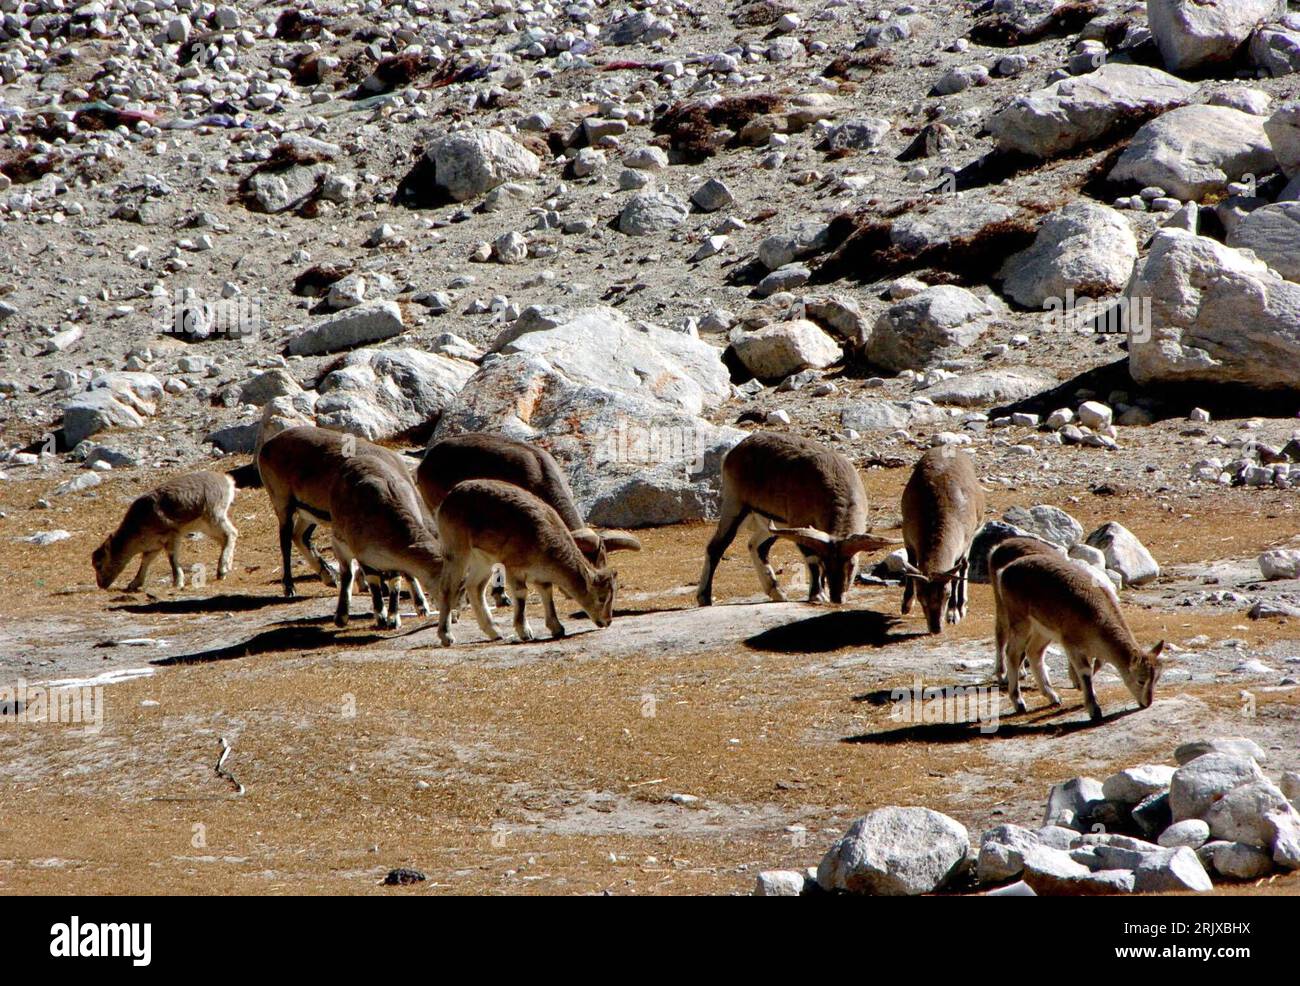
(832, 631)
(293, 637)
(223, 603)
(1038, 723)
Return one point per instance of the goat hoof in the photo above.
(445, 641)
(1020, 706)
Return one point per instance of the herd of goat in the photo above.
(479, 501)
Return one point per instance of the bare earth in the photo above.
(551, 767)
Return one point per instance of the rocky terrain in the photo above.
(1060, 235)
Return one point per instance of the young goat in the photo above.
(811, 489)
(483, 522)
(1048, 600)
(298, 468)
(376, 520)
(157, 521)
(479, 455)
(943, 506)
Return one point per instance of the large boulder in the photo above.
(469, 163)
(775, 351)
(1086, 108)
(1125, 554)
(985, 387)
(1044, 521)
(356, 326)
(936, 324)
(1192, 33)
(1217, 315)
(1085, 247)
(1273, 233)
(1198, 784)
(1193, 151)
(93, 411)
(895, 852)
(945, 222)
(1276, 49)
(602, 347)
(625, 451)
(381, 393)
(1283, 130)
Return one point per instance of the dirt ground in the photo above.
(554, 767)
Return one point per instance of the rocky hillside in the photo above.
(623, 231)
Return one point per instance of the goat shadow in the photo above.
(832, 631)
(302, 635)
(1025, 724)
(222, 603)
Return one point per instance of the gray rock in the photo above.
(264, 387)
(1280, 563)
(1133, 785)
(862, 133)
(778, 350)
(786, 278)
(651, 212)
(1052, 872)
(1240, 861)
(843, 317)
(1239, 815)
(1068, 799)
(985, 387)
(784, 248)
(712, 196)
(356, 326)
(895, 852)
(1125, 554)
(1047, 522)
(1194, 151)
(1237, 746)
(1276, 50)
(1190, 832)
(780, 883)
(287, 188)
(639, 28)
(1217, 316)
(1174, 869)
(883, 415)
(1283, 129)
(945, 223)
(1002, 853)
(1193, 33)
(1085, 247)
(1273, 233)
(94, 411)
(1285, 832)
(1079, 110)
(238, 439)
(1197, 785)
(469, 163)
(937, 324)
(601, 346)
(381, 393)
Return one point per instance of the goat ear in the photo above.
(586, 539)
(619, 541)
(805, 537)
(1156, 652)
(866, 542)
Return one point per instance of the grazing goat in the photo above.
(376, 520)
(298, 467)
(1048, 600)
(483, 522)
(158, 520)
(943, 505)
(479, 455)
(814, 491)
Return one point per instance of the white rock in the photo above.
(894, 852)
(651, 212)
(1135, 784)
(1239, 815)
(1174, 869)
(939, 323)
(1217, 316)
(1280, 563)
(1075, 111)
(779, 883)
(1241, 861)
(1085, 247)
(1198, 784)
(380, 393)
(1050, 523)
(1190, 832)
(1125, 554)
(775, 351)
(1192, 33)
(1273, 233)
(469, 163)
(1193, 151)
(354, 327)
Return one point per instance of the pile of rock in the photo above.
(1149, 828)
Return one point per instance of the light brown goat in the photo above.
(157, 521)
(813, 491)
(1048, 600)
(943, 506)
(480, 455)
(485, 522)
